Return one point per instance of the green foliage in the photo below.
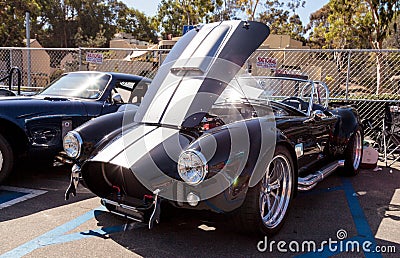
(226, 10)
(356, 24)
(12, 18)
(349, 24)
(249, 7)
(173, 14)
(341, 24)
(282, 18)
(382, 13)
(72, 23)
(93, 23)
(393, 39)
(318, 26)
(138, 24)
(353, 23)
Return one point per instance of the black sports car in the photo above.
(34, 126)
(209, 136)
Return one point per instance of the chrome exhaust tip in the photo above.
(310, 181)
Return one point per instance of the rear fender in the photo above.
(346, 125)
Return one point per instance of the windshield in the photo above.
(305, 95)
(78, 85)
(240, 100)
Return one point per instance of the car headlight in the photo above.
(192, 167)
(72, 144)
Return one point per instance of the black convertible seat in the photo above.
(292, 103)
(318, 107)
(303, 106)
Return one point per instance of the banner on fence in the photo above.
(96, 58)
(267, 62)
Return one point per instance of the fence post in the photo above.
(348, 75)
(28, 46)
(11, 58)
(80, 59)
(159, 59)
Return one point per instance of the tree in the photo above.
(282, 18)
(226, 10)
(359, 24)
(393, 39)
(74, 23)
(340, 24)
(383, 12)
(172, 14)
(138, 24)
(318, 26)
(349, 24)
(12, 20)
(249, 7)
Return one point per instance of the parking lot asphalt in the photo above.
(339, 216)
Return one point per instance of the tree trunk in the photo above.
(379, 63)
(378, 72)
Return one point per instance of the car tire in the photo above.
(254, 216)
(6, 159)
(353, 153)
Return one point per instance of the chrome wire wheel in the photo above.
(276, 191)
(357, 150)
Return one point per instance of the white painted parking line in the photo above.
(389, 228)
(28, 194)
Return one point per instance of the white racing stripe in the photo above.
(177, 105)
(180, 103)
(192, 48)
(111, 151)
(143, 146)
(165, 92)
(161, 99)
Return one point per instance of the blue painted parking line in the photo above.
(6, 196)
(101, 232)
(11, 195)
(58, 235)
(360, 220)
(48, 238)
(364, 232)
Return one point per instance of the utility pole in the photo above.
(28, 45)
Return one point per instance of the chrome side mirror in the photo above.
(116, 98)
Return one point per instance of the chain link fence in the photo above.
(47, 64)
(366, 78)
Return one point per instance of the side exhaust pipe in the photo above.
(310, 181)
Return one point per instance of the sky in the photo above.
(149, 7)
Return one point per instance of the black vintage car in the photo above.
(210, 136)
(33, 127)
